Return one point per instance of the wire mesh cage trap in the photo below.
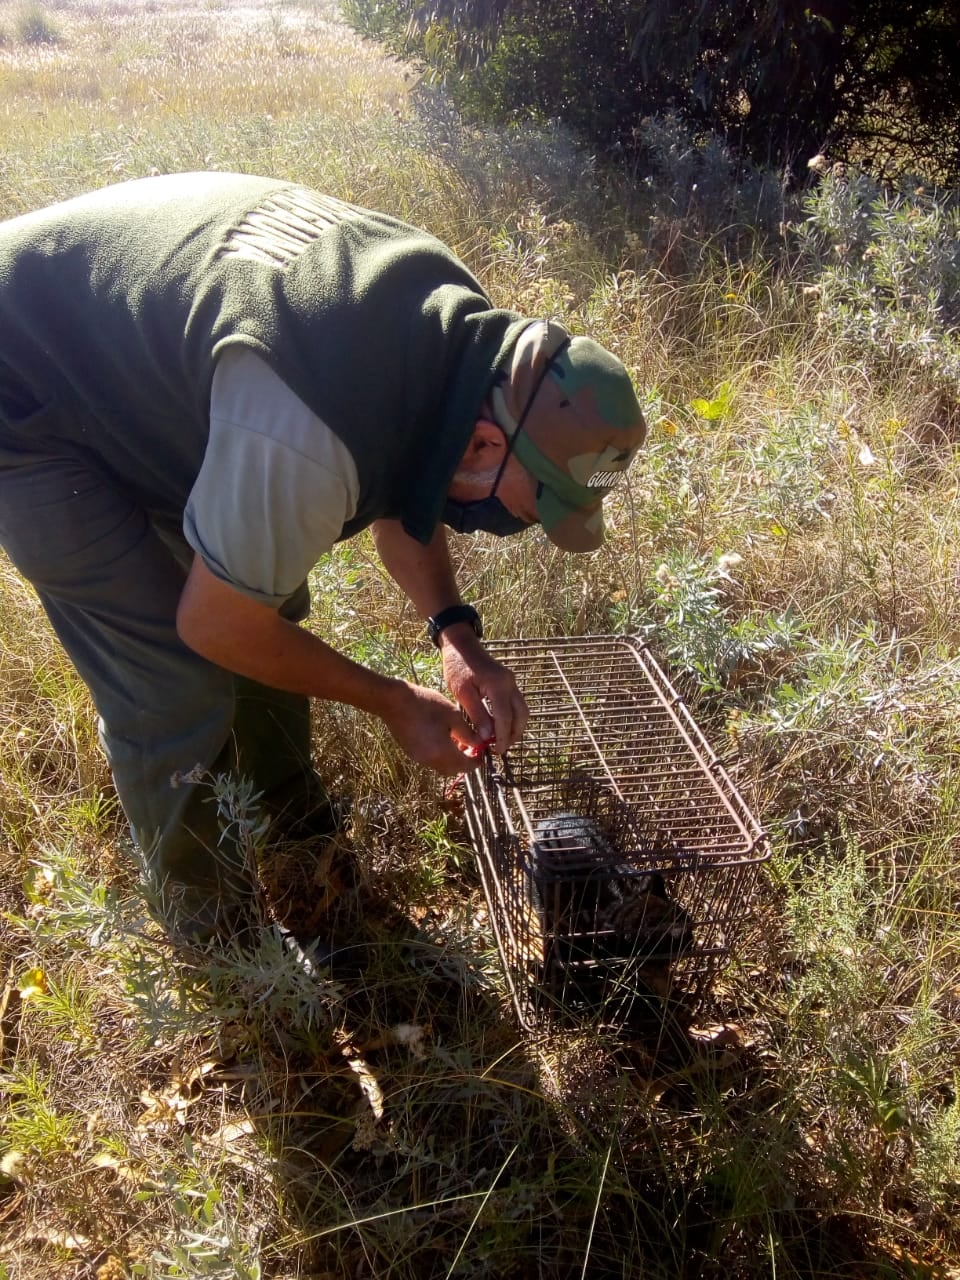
(617, 857)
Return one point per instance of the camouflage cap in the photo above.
(579, 434)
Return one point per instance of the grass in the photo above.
(790, 545)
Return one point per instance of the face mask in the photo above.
(489, 515)
(484, 515)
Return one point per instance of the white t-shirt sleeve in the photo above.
(276, 485)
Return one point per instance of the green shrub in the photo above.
(884, 267)
(377, 19)
(697, 628)
(33, 26)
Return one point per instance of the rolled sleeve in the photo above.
(276, 485)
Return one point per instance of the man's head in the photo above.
(561, 427)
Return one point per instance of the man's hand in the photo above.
(485, 688)
(250, 638)
(431, 730)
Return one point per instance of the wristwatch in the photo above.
(447, 617)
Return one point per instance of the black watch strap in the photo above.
(447, 617)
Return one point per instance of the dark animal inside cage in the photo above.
(610, 929)
(595, 896)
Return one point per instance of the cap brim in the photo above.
(568, 527)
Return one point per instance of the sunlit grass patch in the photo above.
(129, 89)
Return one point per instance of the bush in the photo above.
(700, 193)
(772, 80)
(884, 267)
(33, 26)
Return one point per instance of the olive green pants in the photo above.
(109, 576)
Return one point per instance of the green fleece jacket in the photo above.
(115, 305)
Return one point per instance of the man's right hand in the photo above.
(242, 635)
(431, 730)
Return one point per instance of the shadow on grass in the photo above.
(414, 1133)
(391, 1124)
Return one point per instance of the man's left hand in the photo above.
(484, 688)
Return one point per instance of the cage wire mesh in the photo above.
(617, 858)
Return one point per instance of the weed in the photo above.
(444, 856)
(884, 268)
(33, 1126)
(32, 25)
(937, 1164)
(698, 630)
